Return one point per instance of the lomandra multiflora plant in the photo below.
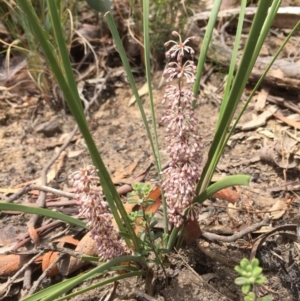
(95, 209)
(184, 147)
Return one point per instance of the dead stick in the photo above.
(236, 236)
(44, 188)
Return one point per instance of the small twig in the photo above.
(236, 236)
(41, 231)
(44, 188)
(44, 274)
(27, 278)
(11, 280)
(143, 295)
(62, 250)
(222, 33)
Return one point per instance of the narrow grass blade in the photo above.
(100, 269)
(234, 96)
(230, 76)
(102, 283)
(44, 212)
(113, 29)
(58, 289)
(206, 40)
(66, 81)
(149, 82)
(235, 180)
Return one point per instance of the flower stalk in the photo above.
(181, 177)
(92, 206)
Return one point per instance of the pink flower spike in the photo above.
(180, 179)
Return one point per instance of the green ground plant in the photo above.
(180, 196)
(250, 276)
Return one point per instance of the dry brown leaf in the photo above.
(10, 264)
(232, 212)
(8, 190)
(74, 154)
(68, 239)
(276, 154)
(261, 100)
(192, 231)
(142, 91)
(69, 264)
(226, 4)
(33, 235)
(227, 194)
(119, 176)
(277, 73)
(62, 139)
(154, 195)
(259, 120)
(49, 128)
(48, 259)
(279, 209)
(88, 32)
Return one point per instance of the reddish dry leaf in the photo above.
(154, 195)
(68, 239)
(228, 195)
(50, 256)
(69, 264)
(10, 264)
(48, 259)
(33, 235)
(192, 231)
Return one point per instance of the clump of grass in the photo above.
(164, 17)
(21, 44)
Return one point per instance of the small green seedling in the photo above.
(150, 239)
(250, 275)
